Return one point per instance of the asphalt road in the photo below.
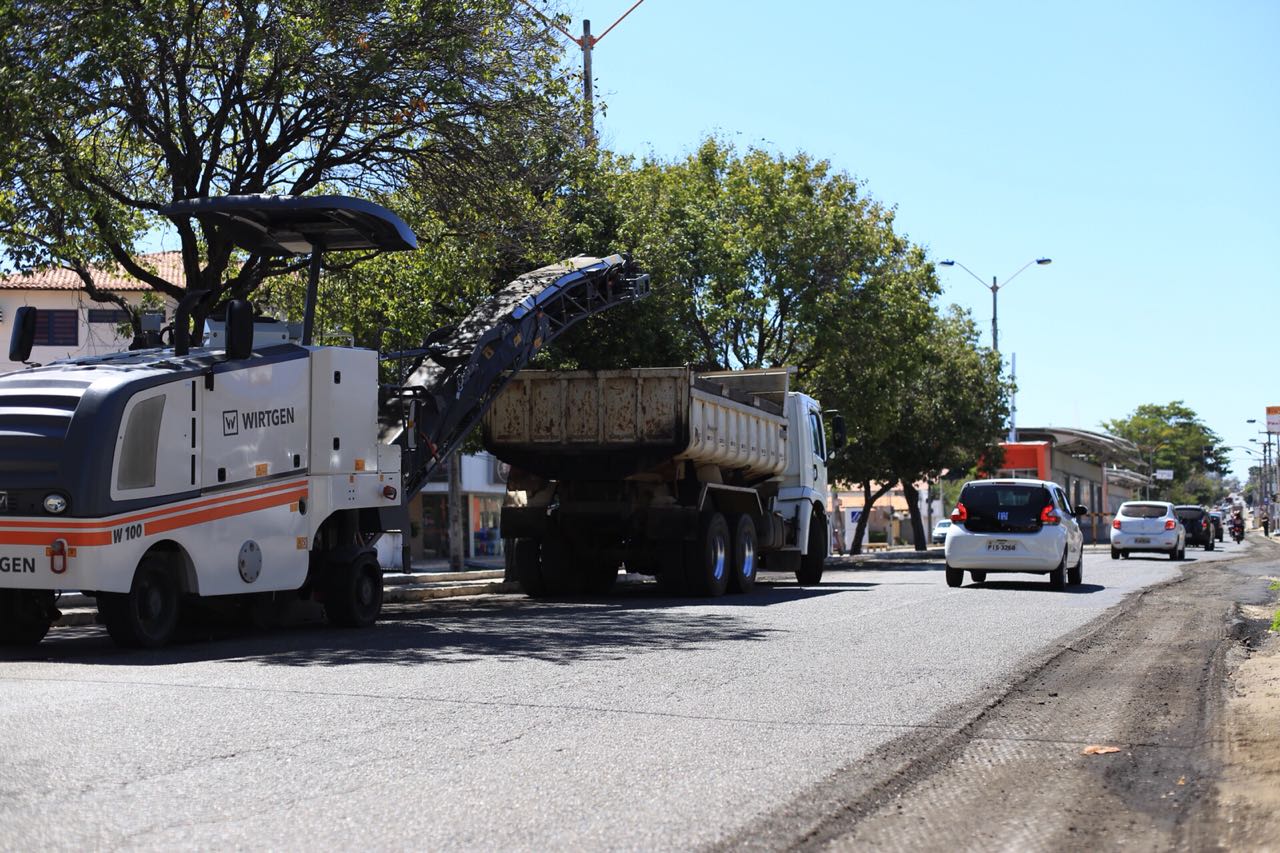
(633, 721)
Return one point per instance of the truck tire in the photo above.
(811, 563)
(556, 569)
(707, 565)
(742, 575)
(600, 577)
(353, 592)
(526, 566)
(670, 569)
(25, 616)
(147, 615)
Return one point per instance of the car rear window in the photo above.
(1189, 513)
(1003, 508)
(1143, 510)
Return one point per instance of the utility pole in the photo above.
(586, 43)
(457, 530)
(588, 95)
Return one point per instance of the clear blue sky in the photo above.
(1134, 143)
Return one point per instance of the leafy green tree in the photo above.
(1173, 437)
(115, 110)
(953, 409)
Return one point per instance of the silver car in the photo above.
(1150, 527)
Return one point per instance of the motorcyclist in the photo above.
(1237, 524)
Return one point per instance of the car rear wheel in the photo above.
(955, 577)
(1075, 574)
(1208, 546)
(978, 576)
(1058, 577)
(1115, 553)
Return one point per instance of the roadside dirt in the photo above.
(1249, 791)
(1147, 682)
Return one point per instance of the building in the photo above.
(484, 485)
(68, 322)
(1095, 468)
(890, 520)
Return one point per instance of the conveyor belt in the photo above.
(459, 370)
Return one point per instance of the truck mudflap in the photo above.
(523, 522)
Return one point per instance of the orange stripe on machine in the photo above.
(143, 516)
(226, 511)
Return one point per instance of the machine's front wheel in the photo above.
(25, 616)
(353, 594)
(147, 615)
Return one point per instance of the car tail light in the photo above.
(1170, 524)
(1048, 516)
(1116, 524)
(959, 514)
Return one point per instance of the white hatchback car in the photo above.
(1147, 526)
(1015, 526)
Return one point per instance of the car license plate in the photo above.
(1142, 540)
(1001, 545)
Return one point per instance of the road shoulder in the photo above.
(1249, 790)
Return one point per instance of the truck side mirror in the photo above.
(840, 436)
(239, 329)
(24, 334)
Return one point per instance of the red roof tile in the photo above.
(168, 265)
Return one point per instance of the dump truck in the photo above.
(256, 466)
(699, 478)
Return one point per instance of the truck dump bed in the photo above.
(598, 425)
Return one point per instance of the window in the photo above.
(115, 316)
(140, 446)
(819, 446)
(57, 328)
(1143, 510)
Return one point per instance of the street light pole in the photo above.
(994, 287)
(587, 42)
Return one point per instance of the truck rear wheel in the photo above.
(25, 616)
(147, 615)
(707, 566)
(815, 556)
(742, 578)
(600, 578)
(526, 562)
(353, 592)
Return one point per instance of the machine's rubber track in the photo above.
(460, 369)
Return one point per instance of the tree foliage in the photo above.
(115, 110)
(1172, 436)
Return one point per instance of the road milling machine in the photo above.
(259, 464)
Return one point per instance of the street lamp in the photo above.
(994, 287)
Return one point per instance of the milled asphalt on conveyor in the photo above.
(629, 721)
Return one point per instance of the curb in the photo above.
(398, 589)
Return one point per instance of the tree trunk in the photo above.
(455, 510)
(912, 494)
(868, 500)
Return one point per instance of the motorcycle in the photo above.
(1237, 530)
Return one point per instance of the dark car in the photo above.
(1199, 527)
(1215, 518)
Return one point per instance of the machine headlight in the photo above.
(55, 504)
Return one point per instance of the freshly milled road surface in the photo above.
(631, 721)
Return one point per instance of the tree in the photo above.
(953, 410)
(751, 254)
(114, 111)
(1173, 437)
